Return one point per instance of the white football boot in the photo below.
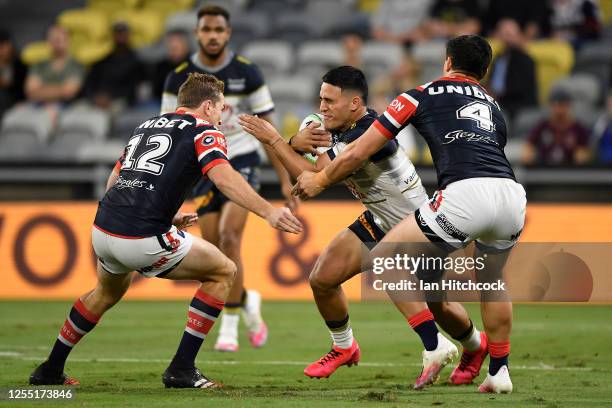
(251, 313)
(499, 383)
(228, 333)
(434, 361)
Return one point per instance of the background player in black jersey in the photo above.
(135, 228)
(478, 198)
(221, 221)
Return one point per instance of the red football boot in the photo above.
(330, 362)
(471, 361)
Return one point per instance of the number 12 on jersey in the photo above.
(147, 160)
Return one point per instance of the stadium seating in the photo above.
(584, 87)
(430, 56)
(296, 27)
(110, 6)
(293, 48)
(80, 124)
(554, 60)
(326, 17)
(25, 128)
(526, 120)
(36, 52)
(292, 90)
(86, 26)
(233, 6)
(246, 28)
(165, 7)
(314, 58)
(595, 59)
(380, 58)
(273, 6)
(124, 124)
(181, 21)
(293, 97)
(272, 57)
(146, 26)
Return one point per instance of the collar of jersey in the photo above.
(458, 78)
(195, 60)
(186, 112)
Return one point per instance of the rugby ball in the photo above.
(313, 117)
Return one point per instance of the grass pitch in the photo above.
(561, 357)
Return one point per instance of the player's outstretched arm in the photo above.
(350, 159)
(266, 133)
(283, 174)
(233, 185)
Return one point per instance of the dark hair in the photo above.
(199, 88)
(214, 10)
(347, 77)
(469, 54)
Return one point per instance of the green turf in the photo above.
(136, 339)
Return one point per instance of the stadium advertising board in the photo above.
(46, 250)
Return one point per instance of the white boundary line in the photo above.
(16, 355)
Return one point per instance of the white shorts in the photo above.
(490, 211)
(151, 256)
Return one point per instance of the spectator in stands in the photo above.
(450, 18)
(513, 78)
(57, 80)
(558, 139)
(400, 21)
(533, 16)
(12, 73)
(602, 134)
(113, 81)
(352, 43)
(576, 21)
(178, 50)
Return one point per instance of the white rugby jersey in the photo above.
(245, 92)
(387, 184)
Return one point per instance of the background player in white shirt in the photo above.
(221, 221)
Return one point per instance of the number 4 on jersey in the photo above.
(478, 112)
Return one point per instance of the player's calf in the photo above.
(79, 322)
(204, 310)
(82, 318)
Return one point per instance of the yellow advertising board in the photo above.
(46, 252)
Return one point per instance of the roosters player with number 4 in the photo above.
(478, 197)
(137, 228)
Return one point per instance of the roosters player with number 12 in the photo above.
(137, 228)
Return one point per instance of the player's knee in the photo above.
(229, 240)
(229, 271)
(321, 281)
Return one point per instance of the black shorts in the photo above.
(207, 196)
(366, 229)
